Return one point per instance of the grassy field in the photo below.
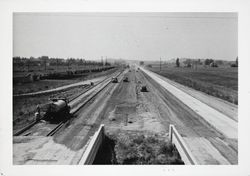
(221, 82)
(54, 83)
(21, 71)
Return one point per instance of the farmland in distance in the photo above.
(221, 82)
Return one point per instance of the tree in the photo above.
(187, 62)
(68, 63)
(199, 61)
(208, 61)
(219, 62)
(81, 62)
(236, 63)
(177, 62)
(45, 60)
(213, 64)
(141, 63)
(17, 59)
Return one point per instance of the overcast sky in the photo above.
(146, 36)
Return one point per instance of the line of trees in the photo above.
(210, 62)
(46, 61)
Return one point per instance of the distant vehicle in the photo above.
(57, 110)
(114, 80)
(144, 89)
(125, 79)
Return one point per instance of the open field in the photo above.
(40, 85)
(22, 70)
(218, 82)
(46, 84)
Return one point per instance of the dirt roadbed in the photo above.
(128, 112)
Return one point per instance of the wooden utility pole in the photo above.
(28, 64)
(56, 64)
(160, 64)
(68, 62)
(45, 64)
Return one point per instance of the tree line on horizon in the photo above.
(45, 60)
(210, 62)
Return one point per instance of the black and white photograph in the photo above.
(125, 88)
(120, 89)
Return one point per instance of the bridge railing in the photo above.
(174, 137)
(183, 150)
(92, 149)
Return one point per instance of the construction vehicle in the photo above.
(125, 79)
(114, 80)
(144, 89)
(57, 110)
